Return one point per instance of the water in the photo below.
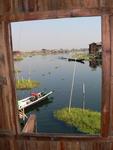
(56, 74)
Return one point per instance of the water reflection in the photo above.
(94, 63)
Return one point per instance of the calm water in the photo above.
(56, 74)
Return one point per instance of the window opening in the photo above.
(49, 59)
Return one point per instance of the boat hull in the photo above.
(27, 102)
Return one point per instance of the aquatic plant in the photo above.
(18, 58)
(26, 84)
(85, 56)
(86, 121)
(56, 67)
(43, 74)
(49, 73)
(62, 79)
(17, 70)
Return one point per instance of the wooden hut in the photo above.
(94, 48)
(11, 138)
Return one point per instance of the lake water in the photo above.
(56, 74)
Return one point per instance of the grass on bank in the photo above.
(86, 121)
(26, 84)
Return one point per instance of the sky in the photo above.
(56, 33)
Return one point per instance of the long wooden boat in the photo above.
(80, 60)
(77, 60)
(33, 99)
(71, 59)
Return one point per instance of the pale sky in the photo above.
(56, 33)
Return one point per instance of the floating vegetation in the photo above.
(17, 70)
(43, 74)
(18, 58)
(49, 73)
(62, 79)
(85, 120)
(56, 67)
(85, 56)
(26, 84)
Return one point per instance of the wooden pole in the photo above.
(84, 95)
(72, 87)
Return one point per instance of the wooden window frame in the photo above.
(107, 72)
(61, 133)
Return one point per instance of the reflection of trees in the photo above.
(94, 63)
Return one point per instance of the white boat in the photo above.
(34, 98)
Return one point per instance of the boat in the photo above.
(33, 99)
(80, 60)
(71, 59)
(77, 60)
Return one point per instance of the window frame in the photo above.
(106, 108)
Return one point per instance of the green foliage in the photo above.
(18, 58)
(86, 57)
(26, 84)
(85, 120)
(81, 56)
(17, 71)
